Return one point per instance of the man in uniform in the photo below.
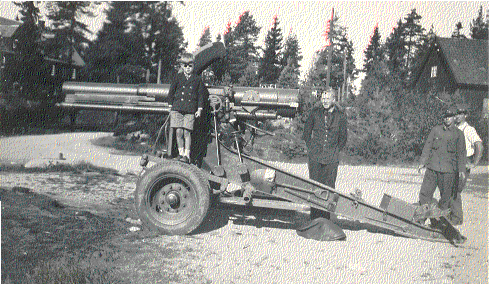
(325, 133)
(444, 158)
(473, 145)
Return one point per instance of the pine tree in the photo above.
(457, 32)
(373, 53)
(291, 52)
(269, 69)
(68, 30)
(29, 70)
(205, 38)
(161, 35)
(341, 44)
(240, 42)
(414, 35)
(479, 28)
(289, 77)
(28, 34)
(396, 52)
(116, 55)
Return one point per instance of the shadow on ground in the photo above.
(46, 242)
(220, 215)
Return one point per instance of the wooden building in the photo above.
(456, 65)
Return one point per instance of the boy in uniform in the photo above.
(186, 95)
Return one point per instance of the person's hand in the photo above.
(199, 111)
(419, 168)
(461, 175)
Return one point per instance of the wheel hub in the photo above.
(172, 198)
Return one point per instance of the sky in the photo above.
(307, 19)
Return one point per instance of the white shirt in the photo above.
(470, 137)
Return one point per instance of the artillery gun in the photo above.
(173, 198)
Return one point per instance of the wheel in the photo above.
(172, 198)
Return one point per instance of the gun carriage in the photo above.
(173, 197)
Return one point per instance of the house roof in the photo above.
(8, 27)
(466, 58)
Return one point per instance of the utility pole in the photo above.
(330, 51)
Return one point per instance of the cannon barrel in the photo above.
(248, 103)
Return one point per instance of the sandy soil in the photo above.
(237, 246)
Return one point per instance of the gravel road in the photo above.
(240, 247)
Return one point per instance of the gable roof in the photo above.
(8, 27)
(466, 58)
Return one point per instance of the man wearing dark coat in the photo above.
(325, 134)
(444, 157)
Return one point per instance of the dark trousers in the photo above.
(456, 210)
(445, 183)
(323, 173)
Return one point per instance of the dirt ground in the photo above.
(50, 215)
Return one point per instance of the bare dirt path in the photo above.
(238, 246)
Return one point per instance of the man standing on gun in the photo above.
(325, 134)
(444, 158)
(473, 145)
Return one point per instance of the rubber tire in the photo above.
(148, 184)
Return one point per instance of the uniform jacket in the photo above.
(324, 142)
(444, 150)
(186, 96)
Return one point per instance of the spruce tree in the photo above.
(116, 55)
(479, 27)
(269, 69)
(27, 67)
(69, 31)
(395, 46)
(242, 50)
(373, 53)
(457, 32)
(205, 38)
(342, 45)
(289, 77)
(162, 37)
(291, 52)
(414, 37)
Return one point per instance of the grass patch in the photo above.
(79, 167)
(70, 270)
(124, 145)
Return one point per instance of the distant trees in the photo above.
(136, 37)
(290, 63)
(27, 65)
(457, 32)
(242, 58)
(68, 30)
(342, 53)
(270, 68)
(373, 53)
(205, 38)
(479, 27)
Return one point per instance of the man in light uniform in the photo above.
(473, 144)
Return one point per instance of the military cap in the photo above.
(462, 108)
(450, 111)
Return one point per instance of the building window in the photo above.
(433, 71)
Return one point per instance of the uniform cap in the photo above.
(462, 109)
(451, 111)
